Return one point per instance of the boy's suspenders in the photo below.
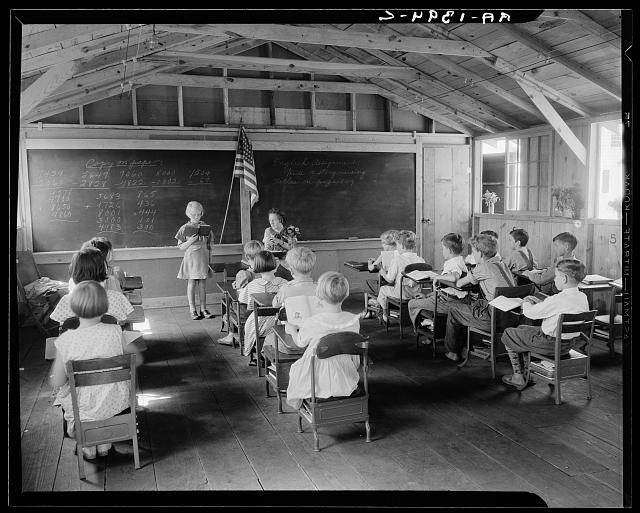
(508, 277)
(528, 258)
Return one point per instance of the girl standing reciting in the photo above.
(195, 263)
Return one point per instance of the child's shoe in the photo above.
(207, 314)
(103, 449)
(196, 316)
(89, 453)
(452, 356)
(227, 340)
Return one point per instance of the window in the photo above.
(609, 182)
(493, 171)
(527, 174)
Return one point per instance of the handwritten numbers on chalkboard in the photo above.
(60, 205)
(164, 177)
(50, 178)
(198, 176)
(145, 213)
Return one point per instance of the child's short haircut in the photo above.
(487, 245)
(567, 238)
(407, 239)
(453, 241)
(88, 300)
(520, 235)
(264, 261)
(101, 243)
(332, 287)
(301, 259)
(574, 269)
(490, 232)
(88, 264)
(252, 248)
(193, 206)
(389, 238)
(279, 213)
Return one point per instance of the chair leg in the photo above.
(136, 453)
(266, 385)
(300, 423)
(385, 310)
(400, 319)
(316, 440)
(493, 359)
(80, 455)
(558, 398)
(367, 427)
(280, 402)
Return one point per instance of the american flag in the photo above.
(244, 166)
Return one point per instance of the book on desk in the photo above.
(132, 282)
(299, 308)
(506, 304)
(595, 279)
(358, 266)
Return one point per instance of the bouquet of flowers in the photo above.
(490, 198)
(292, 233)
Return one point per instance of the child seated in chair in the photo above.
(92, 339)
(89, 264)
(521, 258)
(453, 269)
(264, 264)
(301, 261)
(563, 245)
(111, 282)
(520, 341)
(389, 240)
(470, 259)
(406, 254)
(336, 376)
(490, 272)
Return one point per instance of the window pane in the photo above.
(512, 151)
(609, 169)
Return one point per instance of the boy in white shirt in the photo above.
(520, 341)
(406, 248)
(452, 270)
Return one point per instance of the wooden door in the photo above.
(446, 198)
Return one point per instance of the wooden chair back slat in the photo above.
(503, 320)
(100, 363)
(344, 342)
(418, 266)
(102, 378)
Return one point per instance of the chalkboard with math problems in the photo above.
(336, 195)
(135, 198)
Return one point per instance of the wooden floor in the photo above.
(206, 425)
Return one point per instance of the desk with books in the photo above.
(592, 285)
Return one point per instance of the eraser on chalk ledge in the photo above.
(353, 238)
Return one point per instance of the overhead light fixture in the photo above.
(153, 42)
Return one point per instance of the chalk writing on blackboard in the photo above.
(319, 172)
(60, 205)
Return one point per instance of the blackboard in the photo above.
(135, 198)
(336, 195)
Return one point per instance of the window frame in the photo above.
(595, 171)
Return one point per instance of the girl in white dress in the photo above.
(265, 264)
(92, 339)
(195, 263)
(336, 376)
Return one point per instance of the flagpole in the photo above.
(224, 222)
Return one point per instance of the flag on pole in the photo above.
(244, 166)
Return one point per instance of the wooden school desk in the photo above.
(277, 364)
(591, 290)
(132, 283)
(359, 266)
(136, 316)
(232, 309)
(262, 307)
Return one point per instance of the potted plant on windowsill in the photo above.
(568, 201)
(490, 199)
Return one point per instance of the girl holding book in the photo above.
(195, 263)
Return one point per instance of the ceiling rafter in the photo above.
(529, 40)
(113, 88)
(387, 91)
(425, 77)
(506, 68)
(311, 35)
(584, 21)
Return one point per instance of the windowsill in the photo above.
(552, 219)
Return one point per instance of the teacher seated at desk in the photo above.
(275, 236)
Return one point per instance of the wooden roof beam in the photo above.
(555, 120)
(41, 88)
(506, 68)
(323, 36)
(64, 35)
(285, 65)
(425, 77)
(260, 84)
(521, 35)
(584, 21)
(386, 91)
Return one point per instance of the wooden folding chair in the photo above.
(101, 371)
(575, 364)
(278, 364)
(401, 303)
(27, 272)
(338, 410)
